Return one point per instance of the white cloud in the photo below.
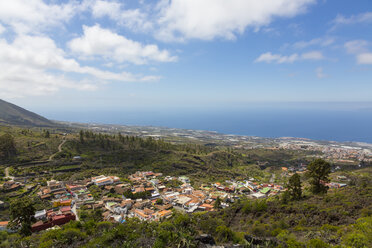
(22, 81)
(132, 18)
(314, 55)
(179, 20)
(320, 73)
(34, 65)
(364, 58)
(356, 46)
(209, 19)
(360, 49)
(280, 59)
(314, 42)
(269, 58)
(26, 16)
(104, 8)
(97, 41)
(354, 19)
(2, 29)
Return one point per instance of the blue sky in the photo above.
(100, 55)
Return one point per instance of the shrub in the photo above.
(46, 244)
(331, 228)
(3, 235)
(259, 206)
(256, 206)
(104, 226)
(224, 234)
(276, 231)
(356, 240)
(317, 243)
(260, 229)
(182, 220)
(366, 212)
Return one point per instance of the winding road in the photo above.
(74, 210)
(59, 150)
(6, 172)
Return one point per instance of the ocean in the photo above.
(318, 124)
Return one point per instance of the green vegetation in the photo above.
(319, 171)
(217, 203)
(22, 215)
(302, 217)
(138, 195)
(122, 155)
(7, 147)
(20, 145)
(173, 183)
(338, 219)
(294, 187)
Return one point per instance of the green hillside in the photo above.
(341, 217)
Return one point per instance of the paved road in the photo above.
(7, 173)
(59, 150)
(74, 210)
(272, 179)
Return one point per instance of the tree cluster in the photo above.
(22, 212)
(7, 146)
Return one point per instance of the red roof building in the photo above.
(54, 220)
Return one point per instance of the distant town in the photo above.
(341, 152)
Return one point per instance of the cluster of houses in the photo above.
(11, 185)
(163, 195)
(53, 217)
(159, 198)
(62, 196)
(301, 168)
(66, 193)
(145, 195)
(332, 151)
(250, 188)
(333, 185)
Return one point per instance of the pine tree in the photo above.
(294, 187)
(22, 213)
(318, 171)
(217, 203)
(7, 146)
(81, 136)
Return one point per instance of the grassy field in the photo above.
(32, 144)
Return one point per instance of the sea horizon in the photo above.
(332, 125)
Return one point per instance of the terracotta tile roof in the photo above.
(164, 213)
(140, 213)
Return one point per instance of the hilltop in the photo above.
(11, 114)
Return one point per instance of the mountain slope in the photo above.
(14, 115)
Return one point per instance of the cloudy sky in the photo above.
(138, 54)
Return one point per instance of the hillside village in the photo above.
(145, 195)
